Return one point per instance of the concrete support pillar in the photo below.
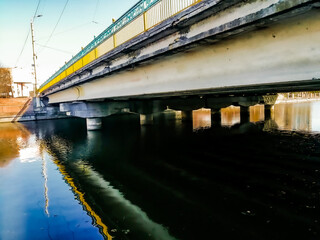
(215, 116)
(64, 107)
(244, 114)
(38, 102)
(146, 119)
(169, 114)
(94, 124)
(178, 115)
(267, 112)
(186, 115)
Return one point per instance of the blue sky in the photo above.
(80, 22)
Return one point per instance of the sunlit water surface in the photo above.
(206, 179)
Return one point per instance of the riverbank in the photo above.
(26, 109)
(11, 107)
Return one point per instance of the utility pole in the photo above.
(34, 62)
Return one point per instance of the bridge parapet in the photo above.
(140, 18)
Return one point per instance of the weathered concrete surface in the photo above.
(94, 124)
(277, 50)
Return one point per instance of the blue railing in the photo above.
(134, 12)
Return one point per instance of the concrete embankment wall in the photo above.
(26, 109)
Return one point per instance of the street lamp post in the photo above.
(35, 91)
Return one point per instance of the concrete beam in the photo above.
(85, 109)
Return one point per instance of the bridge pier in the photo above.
(94, 124)
(146, 119)
(170, 114)
(267, 112)
(186, 116)
(244, 114)
(216, 116)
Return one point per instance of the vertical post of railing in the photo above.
(95, 49)
(114, 35)
(114, 40)
(145, 27)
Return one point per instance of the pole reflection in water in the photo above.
(245, 181)
(45, 176)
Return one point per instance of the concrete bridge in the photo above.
(190, 54)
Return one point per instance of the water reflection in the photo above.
(230, 116)
(110, 198)
(295, 116)
(26, 186)
(96, 218)
(164, 181)
(201, 119)
(45, 176)
(315, 111)
(12, 138)
(304, 116)
(256, 113)
(154, 185)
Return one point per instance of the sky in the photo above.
(56, 41)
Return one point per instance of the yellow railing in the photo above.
(158, 12)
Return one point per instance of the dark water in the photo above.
(172, 180)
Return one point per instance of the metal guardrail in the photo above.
(151, 12)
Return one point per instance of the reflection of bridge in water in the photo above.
(142, 163)
(69, 180)
(111, 198)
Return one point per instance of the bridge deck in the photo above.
(140, 18)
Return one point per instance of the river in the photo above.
(204, 179)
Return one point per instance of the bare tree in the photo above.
(5, 82)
